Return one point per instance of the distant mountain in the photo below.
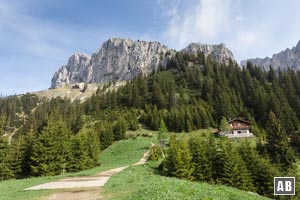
(289, 58)
(123, 59)
(217, 52)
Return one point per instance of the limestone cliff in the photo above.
(289, 58)
(123, 59)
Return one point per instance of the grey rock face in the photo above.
(75, 71)
(217, 52)
(123, 59)
(117, 59)
(289, 58)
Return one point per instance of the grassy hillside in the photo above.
(121, 153)
(70, 93)
(144, 183)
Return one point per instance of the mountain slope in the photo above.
(123, 59)
(289, 58)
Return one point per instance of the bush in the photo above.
(155, 152)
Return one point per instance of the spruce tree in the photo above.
(201, 158)
(79, 155)
(93, 147)
(51, 150)
(169, 162)
(183, 165)
(105, 133)
(277, 145)
(163, 130)
(120, 128)
(223, 125)
(5, 159)
(5, 150)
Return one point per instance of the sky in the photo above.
(38, 36)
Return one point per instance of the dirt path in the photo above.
(87, 187)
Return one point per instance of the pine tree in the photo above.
(93, 147)
(224, 125)
(5, 164)
(105, 133)
(277, 145)
(51, 150)
(169, 162)
(183, 165)
(261, 170)
(79, 156)
(235, 172)
(5, 148)
(27, 148)
(120, 128)
(201, 159)
(163, 130)
(157, 96)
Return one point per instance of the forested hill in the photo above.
(192, 92)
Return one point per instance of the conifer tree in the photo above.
(27, 150)
(157, 96)
(183, 164)
(224, 125)
(201, 159)
(93, 147)
(51, 150)
(120, 128)
(5, 149)
(105, 132)
(235, 172)
(169, 162)
(277, 145)
(163, 130)
(79, 156)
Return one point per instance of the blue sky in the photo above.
(38, 36)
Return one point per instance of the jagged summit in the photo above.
(218, 52)
(289, 58)
(122, 59)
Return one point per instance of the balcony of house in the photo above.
(240, 127)
(239, 135)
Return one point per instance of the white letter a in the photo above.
(280, 186)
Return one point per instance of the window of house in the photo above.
(239, 132)
(239, 124)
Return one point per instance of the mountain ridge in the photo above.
(288, 58)
(122, 59)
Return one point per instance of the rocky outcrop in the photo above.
(117, 59)
(74, 72)
(123, 59)
(289, 58)
(217, 52)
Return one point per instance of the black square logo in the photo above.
(284, 185)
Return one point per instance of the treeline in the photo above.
(237, 164)
(16, 108)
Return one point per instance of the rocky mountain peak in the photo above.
(122, 59)
(218, 52)
(297, 48)
(289, 58)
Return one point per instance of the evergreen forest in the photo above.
(40, 137)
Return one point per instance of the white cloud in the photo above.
(202, 21)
